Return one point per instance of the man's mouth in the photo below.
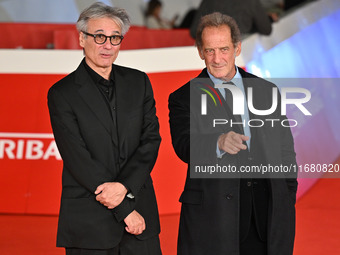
(106, 55)
(218, 67)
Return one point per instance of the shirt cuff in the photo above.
(219, 152)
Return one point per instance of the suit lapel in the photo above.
(246, 84)
(122, 102)
(258, 134)
(93, 98)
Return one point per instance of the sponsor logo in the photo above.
(28, 146)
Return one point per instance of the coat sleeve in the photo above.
(141, 163)
(179, 119)
(288, 155)
(289, 160)
(87, 171)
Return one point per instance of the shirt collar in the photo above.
(96, 77)
(219, 81)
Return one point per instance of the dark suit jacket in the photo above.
(210, 213)
(95, 151)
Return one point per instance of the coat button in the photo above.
(249, 184)
(250, 158)
(229, 196)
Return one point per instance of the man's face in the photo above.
(100, 56)
(218, 52)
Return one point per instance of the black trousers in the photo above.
(253, 245)
(129, 245)
(254, 202)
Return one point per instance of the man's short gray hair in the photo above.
(218, 19)
(101, 10)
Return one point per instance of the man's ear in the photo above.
(81, 39)
(238, 49)
(200, 52)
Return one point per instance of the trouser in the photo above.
(254, 202)
(253, 245)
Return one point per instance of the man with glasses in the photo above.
(104, 122)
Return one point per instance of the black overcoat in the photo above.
(209, 222)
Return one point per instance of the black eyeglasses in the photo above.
(101, 39)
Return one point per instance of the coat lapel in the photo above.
(122, 102)
(93, 98)
(258, 134)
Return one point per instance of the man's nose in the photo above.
(107, 44)
(217, 56)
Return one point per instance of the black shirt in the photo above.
(105, 86)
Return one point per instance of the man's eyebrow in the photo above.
(102, 31)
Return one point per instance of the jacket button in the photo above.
(249, 184)
(229, 196)
(250, 158)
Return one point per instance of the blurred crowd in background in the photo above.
(251, 15)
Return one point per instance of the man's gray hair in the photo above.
(101, 10)
(218, 19)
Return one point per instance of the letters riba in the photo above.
(28, 149)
